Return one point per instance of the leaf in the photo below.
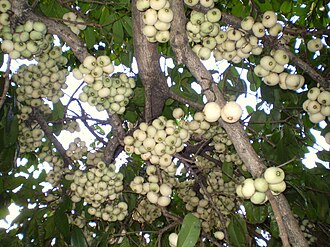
(118, 32)
(53, 9)
(78, 238)
(228, 170)
(190, 230)
(237, 231)
(286, 7)
(255, 213)
(90, 37)
(257, 120)
(127, 24)
(323, 155)
(62, 223)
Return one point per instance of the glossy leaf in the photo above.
(189, 232)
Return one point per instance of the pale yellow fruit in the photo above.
(212, 112)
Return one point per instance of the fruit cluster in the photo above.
(317, 104)
(146, 212)
(217, 190)
(98, 185)
(43, 80)
(268, 21)
(204, 31)
(271, 69)
(307, 228)
(71, 126)
(255, 189)
(74, 22)
(76, 149)
(56, 163)
(30, 137)
(157, 18)
(27, 40)
(156, 192)
(157, 142)
(109, 93)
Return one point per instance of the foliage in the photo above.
(57, 144)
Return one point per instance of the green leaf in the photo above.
(127, 24)
(90, 38)
(118, 32)
(190, 230)
(323, 155)
(255, 213)
(237, 231)
(257, 120)
(78, 238)
(286, 7)
(62, 223)
(53, 8)
(228, 171)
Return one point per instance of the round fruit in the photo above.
(327, 137)
(313, 93)
(258, 197)
(248, 188)
(212, 112)
(274, 175)
(219, 235)
(173, 239)
(164, 201)
(278, 188)
(269, 19)
(261, 184)
(178, 113)
(231, 112)
(314, 45)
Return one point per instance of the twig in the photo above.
(100, 139)
(178, 98)
(163, 230)
(287, 162)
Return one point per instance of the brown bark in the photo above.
(185, 55)
(152, 77)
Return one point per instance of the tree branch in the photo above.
(37, 116)
(241, 142)
(6, 84)
(22, 11)
(178, 98)
(147, 58)
(118, 134)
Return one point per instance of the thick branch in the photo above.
(118, 134)
(325, 83)
(22, 12)
(5, 85)
(147, 58)
(37, 116)
(179, 43)
(279, 219)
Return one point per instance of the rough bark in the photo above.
(152, 77)
(185, 55)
